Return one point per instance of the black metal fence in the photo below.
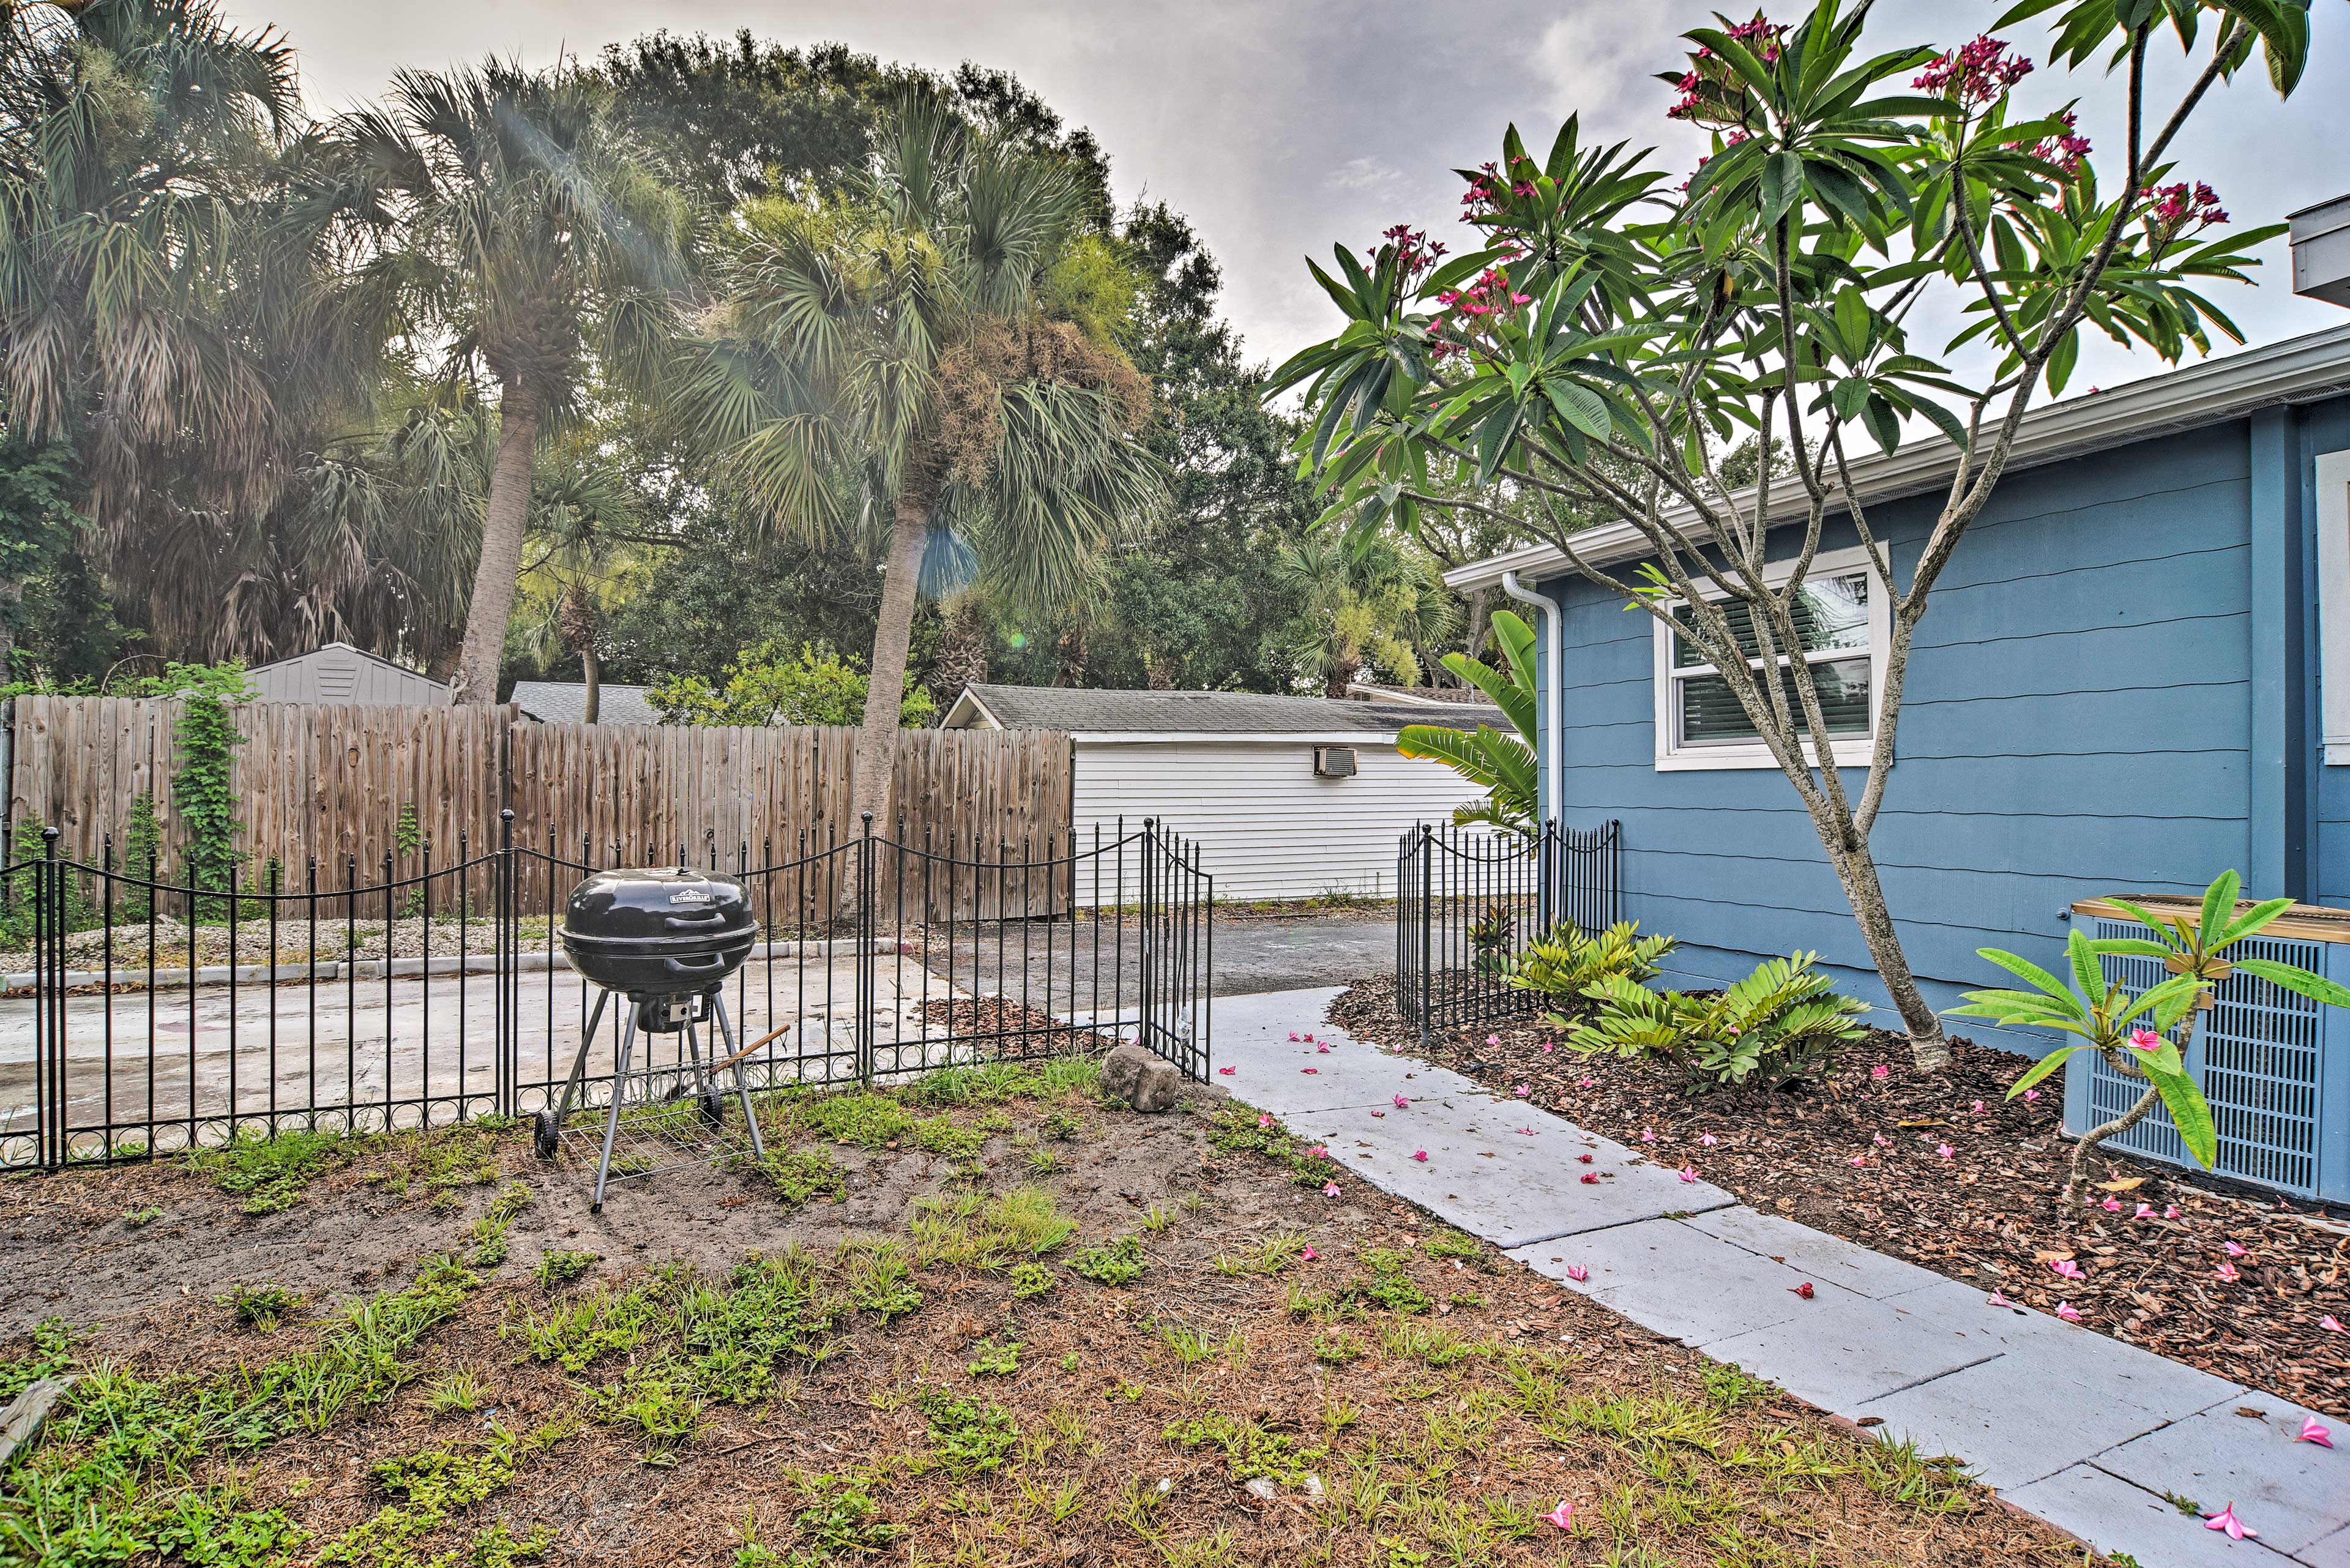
(142, 1017)
(1469, 900)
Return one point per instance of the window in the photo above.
(1843, 620)
(2334, 603)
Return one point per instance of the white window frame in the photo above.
(2334, 603)
(1847, 750)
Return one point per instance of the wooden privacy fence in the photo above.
(351, 785)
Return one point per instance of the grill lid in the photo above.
(671, 906)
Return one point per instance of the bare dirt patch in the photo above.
(993, 1324)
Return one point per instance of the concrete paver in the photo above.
(2298, 1494)
(1665, 1276)
(2115, 1516)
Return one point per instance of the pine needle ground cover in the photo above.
(983, 1320)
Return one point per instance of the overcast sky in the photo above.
(1281, 125)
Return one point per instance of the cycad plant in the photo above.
(1779, 1023)
(528, 246)
(1503, 764)
(1565, 963)
(2145, 1036)
(882, 362)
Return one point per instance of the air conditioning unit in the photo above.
(1334, 762)
(2274, 1067)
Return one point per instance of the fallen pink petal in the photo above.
(2226, 1520)
(1590, 1179)
(1689, 1173)
(2111, 1206)
(1978, 1107)
(1228, 1072)
(1578, 1272)
(2227, 1273)
(2314, 1431)
(1309, 1254)
(1319, 1151)
(2170, 1211)
(1420, 1154)
(2067, 1311)
(1330, 1189)
(1946, 1151)
(2231, 1249)
(1998, 1300)
(1708, 1139)
(1401, 1103)
(2330, 1326)
(1648, 1134)
(1309, 1069)
(2065, 1268)
(1264, 1121)
(1880, 1070)
(1560, 1515)
(2143, 1210)
(1859, 1160)
(1294, 1034)
(2031, 1094)
(1492, 1040)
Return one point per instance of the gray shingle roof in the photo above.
(565, 702)
(1206, 712)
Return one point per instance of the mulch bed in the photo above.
(1986, 1215)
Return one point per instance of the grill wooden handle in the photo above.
(776, 1033)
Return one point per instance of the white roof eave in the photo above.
(2298, 369)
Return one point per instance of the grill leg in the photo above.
(578, 1079)
(612, 1119)
(742, 1084)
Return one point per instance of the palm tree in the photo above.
(527, 245)
(884, 355)
(163, 257)
(1364, 600)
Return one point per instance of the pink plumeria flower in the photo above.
(2065, 1268)
(1309, 1255)
(1998, 1300)
(1578, 1272)
(2144, 1040)
(1880, 1071)
(1590, 1179)
(1523, 1090)
(1978, 1107)
(2330, 1326)
(1708, 1139)
(1264, 1121)
(2111, 1206)
(1689, 1173)
(1881, 1140)
(2314, 1431)
(1420, 1154)
(2226, 1274)
(1330, 1189)
(2067, 1311)
(1294, 1036)
(1550, 1045)
(1309, 1069)
(1323, 1049)
(1319, 1151)
(2226, 1520)
(1586, 1082)
(2170, 1211)
(1401, 1103)
(1378, 1112)
(2232, 1249)
(1492, 1040)
(1227, 1071)
(2029, 1096)
(1945, 1150)
(1648, 1134)
(1309, 1040)
(1561, 1516)
(1859, 1160)
(2144, 1210)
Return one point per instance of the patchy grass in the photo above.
(1163, 1355)
(270, 1174)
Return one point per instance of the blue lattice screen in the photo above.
(2259, 1056)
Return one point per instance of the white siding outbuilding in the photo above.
(1288, 798)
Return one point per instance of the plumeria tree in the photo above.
(1611, 336)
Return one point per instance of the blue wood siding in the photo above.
(2323, 427)
(2082, 718)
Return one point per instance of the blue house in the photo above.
(2135, 674)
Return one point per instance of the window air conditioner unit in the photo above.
(1334, 762)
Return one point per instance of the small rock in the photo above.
(1141, 1078)
(1258, 1486)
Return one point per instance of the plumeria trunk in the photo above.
(504, 522)
(877, 741)
(2118, 1062)
(1855, 869)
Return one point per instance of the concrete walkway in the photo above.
(2084, 1432)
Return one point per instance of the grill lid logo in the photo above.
(691, 896)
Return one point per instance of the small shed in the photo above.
(565, 702)
(341, 673)
(1288, 798)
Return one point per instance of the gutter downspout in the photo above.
(1553, 735)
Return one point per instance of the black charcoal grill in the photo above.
(664, 938)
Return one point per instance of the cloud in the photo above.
(1365, 174)
(1596, 61)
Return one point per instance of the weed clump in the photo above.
(1117, 1262)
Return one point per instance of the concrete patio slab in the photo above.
(1667, 1277)
(1830, 1259)
(1857, 1351)
(2295, 1494)
(1501, 1172)
(2112, 1515)
(1250, 1034)
(2334, 1552)
(2045, 1402)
